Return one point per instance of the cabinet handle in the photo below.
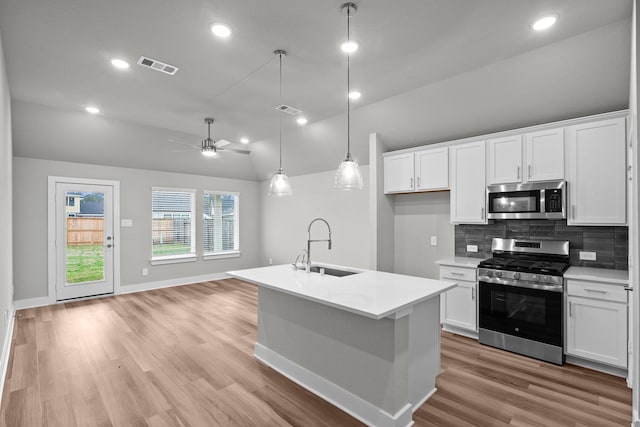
(628, 288)
(518, 177)
(570, 309)
(411, 183)
(418, 180)
(596, 291)
(473, 293)
(481, 213)
(453, 273)
(573, 211)
(529, 171)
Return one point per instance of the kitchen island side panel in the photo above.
(366, 357)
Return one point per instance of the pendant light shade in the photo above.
(348, 176)
(280, 185)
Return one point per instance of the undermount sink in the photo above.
(332, 271)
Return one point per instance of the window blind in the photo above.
(173, 219)
(220, 222)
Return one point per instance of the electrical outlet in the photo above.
(472, 248)
(587, 256)
(270, 261)
(434, 240)
(145, 271)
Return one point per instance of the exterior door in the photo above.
(84, 240)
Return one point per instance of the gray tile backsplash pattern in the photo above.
(610, 243)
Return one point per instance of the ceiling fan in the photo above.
(210, 148)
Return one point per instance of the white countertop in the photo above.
(370, 293)
(619, 277)
(459, 261)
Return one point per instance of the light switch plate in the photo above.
(434, 240)
(472, 248)
(587, 256)
(126, 222)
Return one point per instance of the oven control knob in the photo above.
(534, 278)
(516, 276)
(498, 273)
(489, 273)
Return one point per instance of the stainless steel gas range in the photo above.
(521, 297)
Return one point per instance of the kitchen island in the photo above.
(368, 342)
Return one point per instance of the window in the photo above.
(173, 229)
(220, 223)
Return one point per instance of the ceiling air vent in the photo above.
(288, 109)
(157, 65)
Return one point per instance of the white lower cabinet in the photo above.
(459, 306)
(596, 316)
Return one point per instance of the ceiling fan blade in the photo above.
(222, 143)
(235, 150)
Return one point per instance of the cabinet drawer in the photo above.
(458, 273)
(595, 290)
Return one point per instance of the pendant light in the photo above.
(348, 175)
(280, 185)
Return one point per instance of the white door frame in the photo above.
(51, 230)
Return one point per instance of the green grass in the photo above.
(85, 263)
(171, 249)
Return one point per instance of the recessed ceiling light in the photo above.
(120, 64)
(244, 140)
(544, 22)
(354, 94)
(221, 30)
(92, 110)
(349, 46)
(301, 121)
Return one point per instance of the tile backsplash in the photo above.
(609, 243)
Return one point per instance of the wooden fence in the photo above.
(85, 231)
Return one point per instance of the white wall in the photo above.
(381, 207)
(417, 218)
(284, 221)
(30, 222)
(6, 253)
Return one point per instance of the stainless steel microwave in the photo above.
(540, 200)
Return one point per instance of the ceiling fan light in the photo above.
(280, 185)
(209, 151)
(348, 176)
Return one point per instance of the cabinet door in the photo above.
(597, 330)
(596, 161)
(468, 189)
(505, 159)
(398, 173)
(432, 169)
(459, 307)
(544, 155)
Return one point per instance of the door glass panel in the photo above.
(84, 256)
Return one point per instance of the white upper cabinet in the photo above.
(505, 159)
(543, 155)
(596, 173)
(432, 169)
(398, 173)
(535, 156)
(468, 189)
(425, 170)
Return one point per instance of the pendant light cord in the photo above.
(348, 88)
(280, 118)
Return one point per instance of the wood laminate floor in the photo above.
(182, 356)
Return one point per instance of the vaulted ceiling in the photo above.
(429, 70)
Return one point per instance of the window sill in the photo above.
(173, 259)
(221, 255)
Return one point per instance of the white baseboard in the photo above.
(6, 350)
(139, 287)
(611, 370)
(20, 304)
(635, 422)
(343, 399)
